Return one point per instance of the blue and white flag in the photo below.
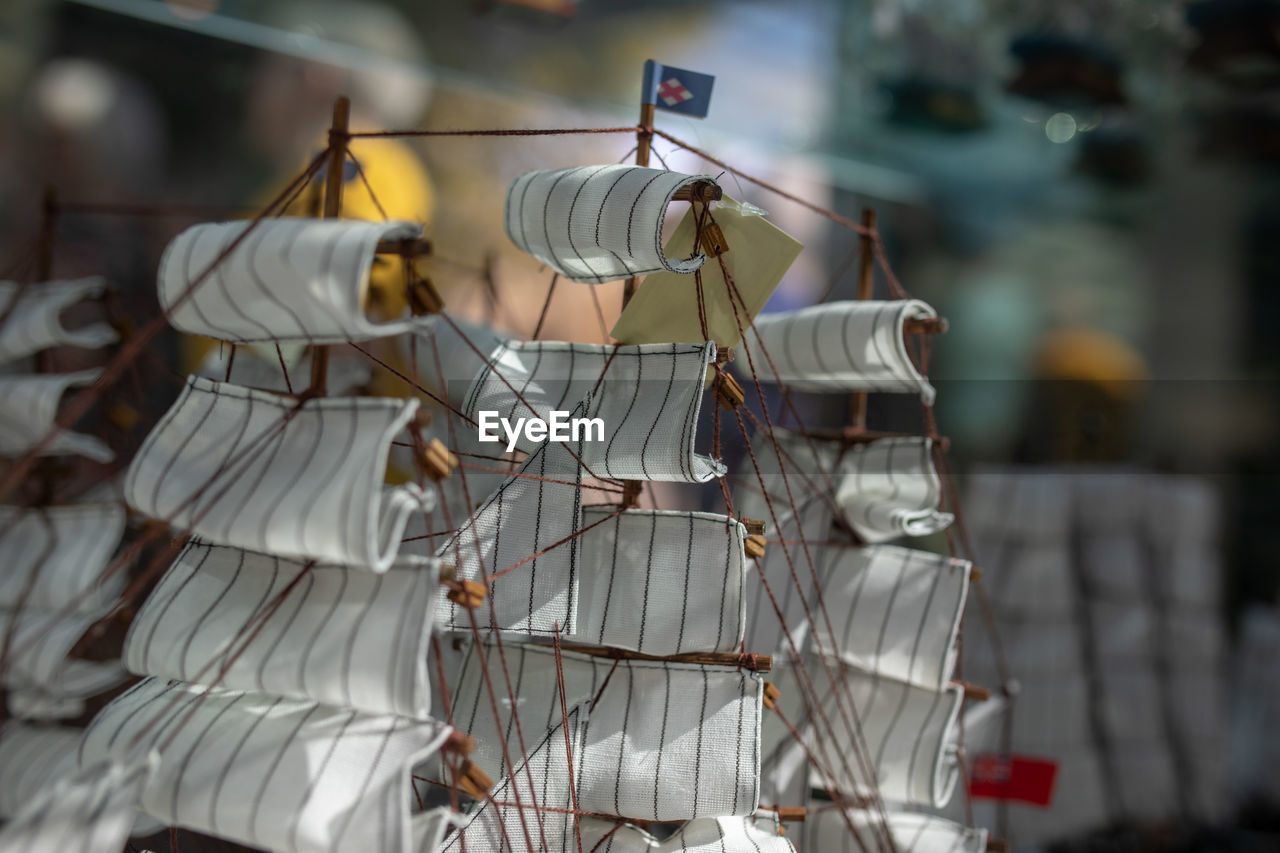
(677, 90)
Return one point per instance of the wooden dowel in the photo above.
(755, 663)
(866, 289)
(925, 326)
(335, 167)
(408, 248)
(644, 139)
(701, 191)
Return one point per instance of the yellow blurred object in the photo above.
(1091, 356)
(401, 189)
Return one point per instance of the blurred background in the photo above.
(1087, 189)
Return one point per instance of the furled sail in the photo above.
(647, 396)
(664, 741)
(828, 830)
(340, 636)
(33, 317)
(293, 478)
(882, 489)
(597, 223)
(55, 556)
(89, 811)
(892, 611)
(282, 774)
(31, 406)
(839, 346)
(288, 280)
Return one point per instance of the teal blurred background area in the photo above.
(1087, 189)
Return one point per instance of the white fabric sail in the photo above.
(597, 223)
(910, 732)
(839, 347)
(289, 279)
(37, 662)
(33, 757)
(661, 583)
(339, 636)
(90, 811)
(664, 741)
(882, 489)
(647, 396)
(757, 833)
(282, 774)
(256, 366)
(826, 829)
(29, 412)
(34, 320)
(893, 611)
(258, 471)
(55, 556)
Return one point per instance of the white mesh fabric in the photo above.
(839, 347)
(31, 758)
(89, 811)
(268, 772)
(662, 583)
(596, 223)
(664, 741)
(648, 396)
(304, 631)
(826, 829)
(34, 322)
(30, 408)
(258, 471)
(287, 280)
(55, 555)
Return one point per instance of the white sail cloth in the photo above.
(37, 668)
(31, 758)
(287, 280)
(826, 829)
(90, 811)
(250, 621)
(647, 396)
(258, 471)
(275, 773)
(656, 582)
(910, 734)
(883, 489)
(839, 347)
(892, 611)
(596, 223)
(254, 366)
(758, 833)
(34, 317)
(664, 741)
(55, 556)
(30, 409)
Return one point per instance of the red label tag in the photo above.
(1016, 778)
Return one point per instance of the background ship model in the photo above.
(363, 639)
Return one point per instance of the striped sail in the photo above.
(31, 406)
(38, 670)
(55, 556)
(839, 347)
(597, 223)
(33, 317)
(340, 636)
(32, 757)
(882, 489)
(826, 829)
(647, 396)
(757, 833)
(281, 774)
(664, 741)
(288, 279)
(88, 811)
(258, 471)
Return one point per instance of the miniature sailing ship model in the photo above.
(333, 662)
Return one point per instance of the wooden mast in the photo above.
(866, 289)
(334, 169)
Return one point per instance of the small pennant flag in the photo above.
(1016, 778)
(677, 90)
